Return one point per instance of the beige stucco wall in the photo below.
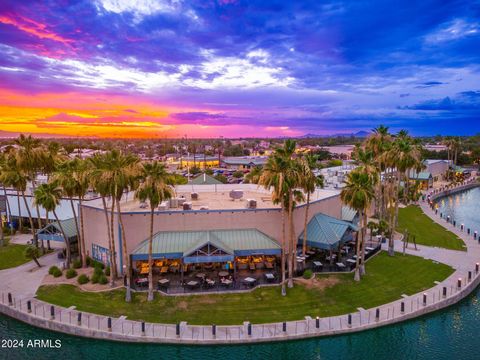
(137, 225)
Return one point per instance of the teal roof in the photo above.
(424, 175)
(326, 232)
(348, 214)
(68, 226)
(256, 161)
(177, 244)
(204, 179)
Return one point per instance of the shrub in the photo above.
(57, 272)
(98, 265)
(107, 271)
(238, 174)
(96, 278)
(52, 269)
(98, 271)
(82, 279)
(307, 274)
(103, 280)
(89, 261)
(77, 264)
(71, 273)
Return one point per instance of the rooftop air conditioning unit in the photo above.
(163, 205)
(204, 207)
(194, 196)
(187, 206)
(236, 194)
(251, 204)
(173, 203)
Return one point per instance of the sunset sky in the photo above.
(167, 68)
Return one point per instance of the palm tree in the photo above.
(13, 175)
(358, 194)
(29, 158)
(31, 252)
(282, 174)
(121, 174)
(63, 176)
(3, 162)
(273, 178)
(48, 196)
(100, 181)
(254, 175)
(309, 182)
(80, 174)
(154, 188)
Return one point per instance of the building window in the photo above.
(101, 254)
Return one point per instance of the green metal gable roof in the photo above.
(326, 232)
(244, 161)
(183, 243)
(204, 179)
(68, 226)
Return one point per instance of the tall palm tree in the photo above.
(378, 143)
(3, 162)
(309, 182)
(358, 194)
(29, 159)
(8, 177)
(100, 181)
(121, 173)
(273, 178)
(63, 176)
(81, 169)
(48, 196)
(154, 188)
(13, 175)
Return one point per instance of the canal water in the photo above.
(463, 207)
(452, 333)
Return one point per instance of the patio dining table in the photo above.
(369, 248)
(250, 281)
(192, 283)
(223, 273)
(351, 261)
(340, 265)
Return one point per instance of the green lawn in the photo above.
(427, 232)
(387, 279)
(11, 255)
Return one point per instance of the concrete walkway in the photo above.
(451, 290)
(24, 280)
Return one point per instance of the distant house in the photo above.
(437, 167)
(205, 179)
(243, 162)
(425, 178)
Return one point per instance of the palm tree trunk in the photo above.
(112, 237)
(356, 276)
(39, 220)
(67, 240)
(83, 255)
(30, 219)
(290, 249)
(305, 223)
(20, 226)
(79, 242)
(284, 250)
(362, 229)
(8, 209)
(128, 294)
(150, 259)
(294, 245)
(109, 236)
(46, 220)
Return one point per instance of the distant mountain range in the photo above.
(359, 134)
